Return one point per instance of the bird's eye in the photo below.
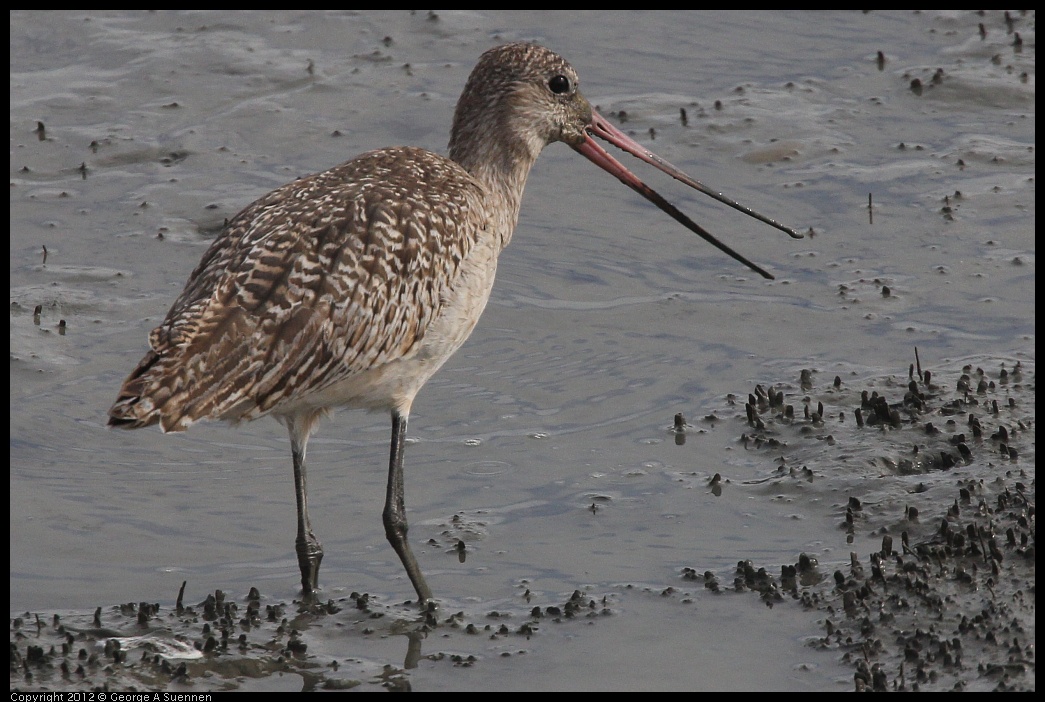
(559, 84)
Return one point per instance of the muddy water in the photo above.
(546, 444)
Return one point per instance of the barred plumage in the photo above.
(321, 280)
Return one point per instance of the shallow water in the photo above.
(607, 319)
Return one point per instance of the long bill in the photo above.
(594, 152)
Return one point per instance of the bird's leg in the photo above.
(394, 515)
(310, 552)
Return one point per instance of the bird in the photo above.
(353, 286)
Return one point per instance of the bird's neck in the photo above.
(500, 163)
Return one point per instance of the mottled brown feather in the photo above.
(327, 276)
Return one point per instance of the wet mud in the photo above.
(946, 603)
(627, 524)
(225, 643)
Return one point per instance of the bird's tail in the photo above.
(135, 406)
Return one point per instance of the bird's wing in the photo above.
(324, 277)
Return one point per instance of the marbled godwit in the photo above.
(353, 286)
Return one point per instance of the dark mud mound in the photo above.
(251, 644)
(940, 470)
